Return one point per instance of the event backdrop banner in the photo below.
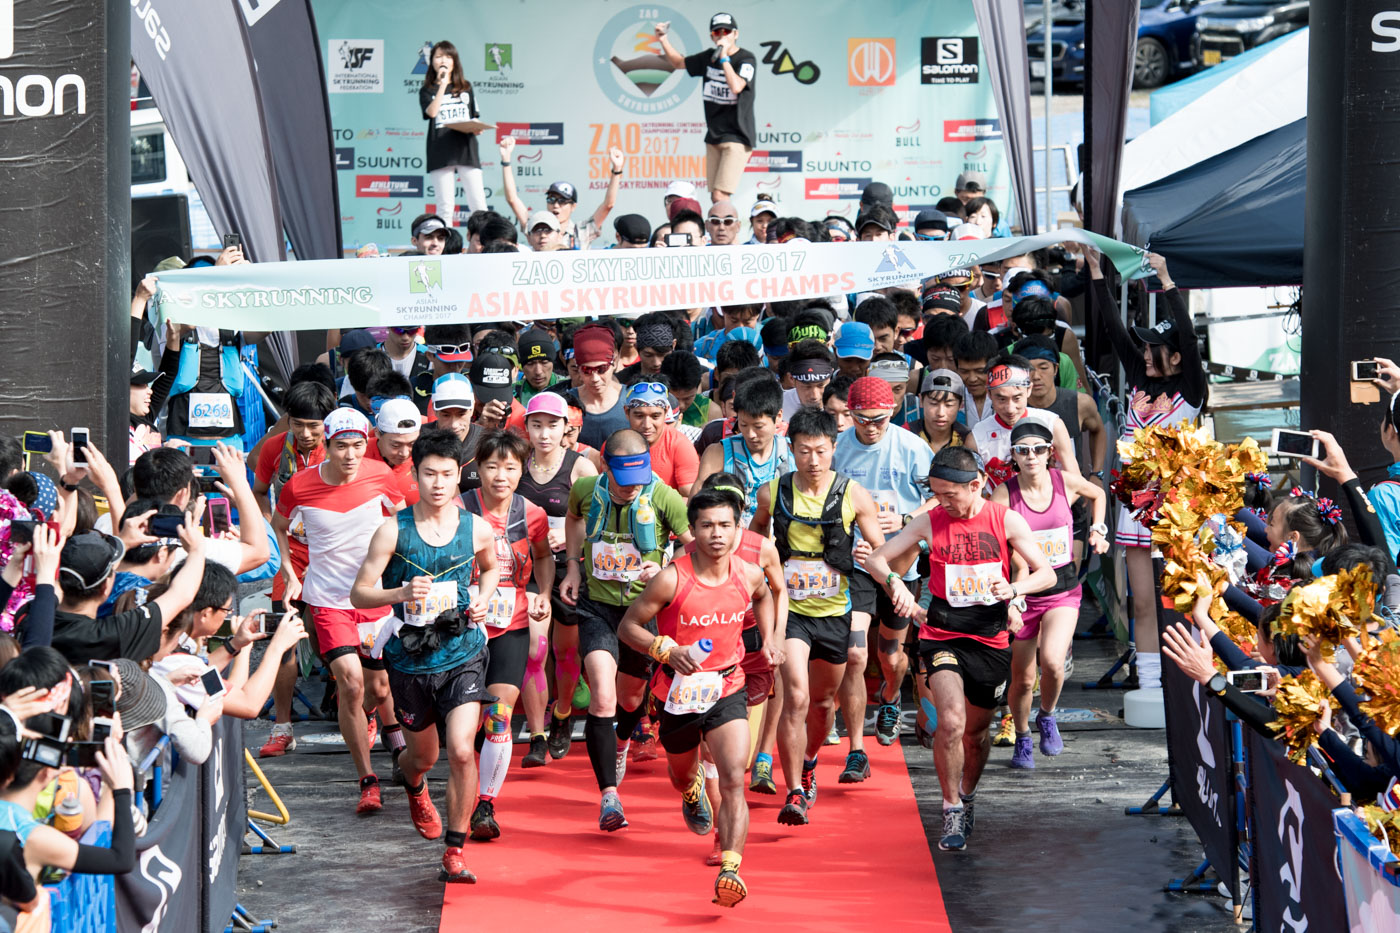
(892, 90)
(465, 288)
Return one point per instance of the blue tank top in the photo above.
(17, 820)
(452, 562)
(740, 462)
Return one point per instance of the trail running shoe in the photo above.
(968, 802)
(857, 769)
(622, 748)
(729, 889)
(369, 799)
(1006, 733)
(809, 786)
(561, 736)
(699, 816)
(278, 744)
(1022, 756)
(454, 867)
(484, 825)
(1050, 742)
(833, 737)
(425, 815)
(762, 782)
(538, 755)
(644, 748)
(954, 832)
(794, 812)
(887, 723)
(372, 728)
(610, 815)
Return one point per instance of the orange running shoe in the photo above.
(425, 815)
(454, 867)
(369, 799)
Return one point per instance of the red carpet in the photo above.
(862, 863)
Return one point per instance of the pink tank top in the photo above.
(1053, 530)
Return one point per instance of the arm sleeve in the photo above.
(1368, 523)
(1362, 779)
(1193, 374)
(169, 366)
(1230, 653)
(121, 857)
(136, 327)
(1127, 351)
(1387, 748)
(1254, 527)
(38, 624)
(1250, 711)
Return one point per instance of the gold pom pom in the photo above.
(1296, 704)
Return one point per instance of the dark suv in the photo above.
(1231, 28)
(1165, 31)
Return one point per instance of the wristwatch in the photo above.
(1101, 528)
(71, 487)
(1019, 604)
(1216, 684)
(617, 171)
(506, 162)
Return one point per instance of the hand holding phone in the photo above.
(166, 526)
(1364, 370)
(1288, 443)
(213, 683)
(37, 442)
(79, 438)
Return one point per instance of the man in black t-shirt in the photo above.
(728, 72)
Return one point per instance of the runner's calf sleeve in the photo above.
(627, 720)
(1149, 667)
(495, 753)
(601, 740)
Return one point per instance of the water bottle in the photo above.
(700, 650)
(68, 809)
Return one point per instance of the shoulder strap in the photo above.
(685, 580)
(516, 526)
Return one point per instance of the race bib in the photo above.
(500, 611)
(375, 635)
(811, 579)
(556, 523)
(1055, 544)
(885, 505)
(211, 410)
(971, 584)
(442, 596)
(616, 560)
(694, 693)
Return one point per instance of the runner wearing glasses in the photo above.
(561, 199)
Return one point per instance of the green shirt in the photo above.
(1069, 376)
(700, 413)
(524, 392)
(616, 554)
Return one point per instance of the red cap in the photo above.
(594, 344)
(868, 393)
(683, 204)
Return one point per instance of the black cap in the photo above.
(358, 339)
(633, 228)
(1031, 426)
(931, 219)
(536, 346)
(141, 376)
(1163, 333)
(88, 559)
(879, 215)
(491, 377)
(725, 20)
(877, 192)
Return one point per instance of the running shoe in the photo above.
(371, 728)
(561, 736)
(622, 748)
(370, 801)
(794, 812)
(484, 825)
(644, 749)
(610, 815)
(968, 802)
(857, 769)
(762, 782)
(538, 755)
(923, 736)
(454, 867)
(716, 856)
(887, 723)
(809, 786)
(833, 737)
(730, 889)
(425, 815)
(954, 832)
(699, 816)
(1050, 742)
(1006, 733)
(1022, 757)
(396, 775)
(279, 743)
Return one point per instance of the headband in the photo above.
(806, 332)
(951, 474)
(1033, 352)
(658, 336)
(1033, 289)
(1005, 375)
(734, 489)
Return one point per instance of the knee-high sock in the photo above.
(495, 751)
(601, 739)
(627, 720)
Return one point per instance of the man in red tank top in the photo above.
(964, 645)
(702, 599)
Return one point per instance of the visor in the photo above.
(630, 469)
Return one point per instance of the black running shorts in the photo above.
(828, 636)
(984, 670)
(681, 733)
(509, 652)
(423, 700)
(597, 631)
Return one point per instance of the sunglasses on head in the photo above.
(1031, 450)
(448, 349)
(869, 419)
(725, 221)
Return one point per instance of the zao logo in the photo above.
(35, 95)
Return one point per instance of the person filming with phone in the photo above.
(447, 101)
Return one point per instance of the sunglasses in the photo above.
(838, 236)
(555, 199)
(930, 236)
(404, 331)
(1031, 450)
(867, 419)
(597, 369)
(722, 31)
(907, 332)
(448, 349)
(724, 221)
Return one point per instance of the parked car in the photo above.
(1166, 29)
(1232, 28)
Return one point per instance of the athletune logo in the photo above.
(970, 131)
(35, 95)
(532, 134)
(773, 160)
(833, 189)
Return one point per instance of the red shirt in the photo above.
(966, 556)
(700, 610)
(673, 458)
(403, 473)
(536, 528)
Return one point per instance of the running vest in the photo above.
(738, 461)
(700, 610)
(203, 399)
(641, 516)
(517, 535)
(1053, 530)
(967, 556)
(837, 541)
(451, 567)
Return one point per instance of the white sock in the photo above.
(495, 762)
(1149, 668)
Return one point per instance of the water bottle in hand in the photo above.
(700, 650)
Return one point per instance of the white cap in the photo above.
(763, 205)
(543, 217)
(346, 421)
(680, 189)
(398, 416)
(967, 232)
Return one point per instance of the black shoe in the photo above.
(967, 801)
(794, 812)
(484, 826)
(857, 769)
(396, 776)
(538, 755)
(561, 735)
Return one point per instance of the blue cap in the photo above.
(855, 340)
(630, 469)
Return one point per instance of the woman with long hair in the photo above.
(446, 98)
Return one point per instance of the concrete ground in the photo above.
(1052, 849)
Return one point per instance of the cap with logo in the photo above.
(140, 376)
(680, 189)
(564, 190)
(630, 469)
(543, 218)
(398, 416)
(633, 228)
(345, 421)
(970, 181)
(1163, 333)
(536, 346)
(723, 21)
(427, 225)
(763, 206)
(944, 382)
(453, 390)
(855, 341)
(491, 377)
(88, 559)
(548, 403)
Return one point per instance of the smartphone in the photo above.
(166, 526)
(216, 515)
(678, 239)
(233, 239)
(22, 530)
(213, 684)
(37, 442)
(50, 725)
(1364, 370)
(1253, 681)
(79, 437)
(202, 455)
(1294, 444)
(83, 754)
(105, 666)
(102, 728)
(46, 751)
(104, 698)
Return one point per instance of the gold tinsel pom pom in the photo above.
(1296, 704)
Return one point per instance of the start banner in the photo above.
(417, 290)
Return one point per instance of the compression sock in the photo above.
(495, 753)
(627, 720)
(601, 740)
(415, 791)
(1149, 668)
(455, 840)
(729, 860)
(392, 737)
